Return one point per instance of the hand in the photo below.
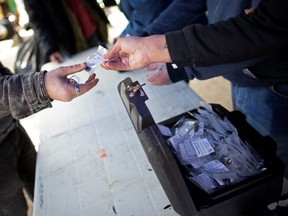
(56, 57)
(160, 76)
(58, 86)
(153, 66)
(130, 53)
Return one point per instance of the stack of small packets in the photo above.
(212, 151)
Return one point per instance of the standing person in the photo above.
(22, 95)
(150, 17)
(66, 27)
(216, 12)
(263, 94)
(158, 17)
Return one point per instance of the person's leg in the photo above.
(12, 201)
(266, 109)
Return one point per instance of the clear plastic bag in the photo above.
(96, 59)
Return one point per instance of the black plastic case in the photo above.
(187, 199)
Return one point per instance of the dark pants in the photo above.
(17, 171)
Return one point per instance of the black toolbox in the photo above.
(240, 198)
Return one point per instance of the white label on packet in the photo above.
(215, 166)
(202, 147)
(175, 140)
(186, 150)
(204, 181)
(196, 164)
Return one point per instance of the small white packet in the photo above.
(96, 59)
(165, 131)
(202, 147)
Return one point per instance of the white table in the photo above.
(90, 161)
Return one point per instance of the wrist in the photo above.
(158, 50)
(45, 86)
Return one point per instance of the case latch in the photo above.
(133, 89)
(134, 97)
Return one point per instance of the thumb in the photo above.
(113, 53)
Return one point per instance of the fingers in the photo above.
(153, 66)
(160, 76)
(91, 77)
(113, 52)
(112, 65)
(117, 56)
(70, 91)
(67, 70)
(83, 88)
(117, 64)
(152, 78)
(91, 82)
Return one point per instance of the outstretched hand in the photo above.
(126, 54)
(59, 87)
(131, 53)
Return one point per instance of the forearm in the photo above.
(248, 36)
(156, 49)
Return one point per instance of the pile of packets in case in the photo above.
(211, 150)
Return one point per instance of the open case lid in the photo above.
(153, 143)
(134, 99)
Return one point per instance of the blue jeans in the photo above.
(266, 109)
(17, 170)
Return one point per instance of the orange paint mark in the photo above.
(103, 153)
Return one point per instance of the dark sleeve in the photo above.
(177, 15)
(203, 73)
(258, 34)
(177, 74)
(23, 94)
